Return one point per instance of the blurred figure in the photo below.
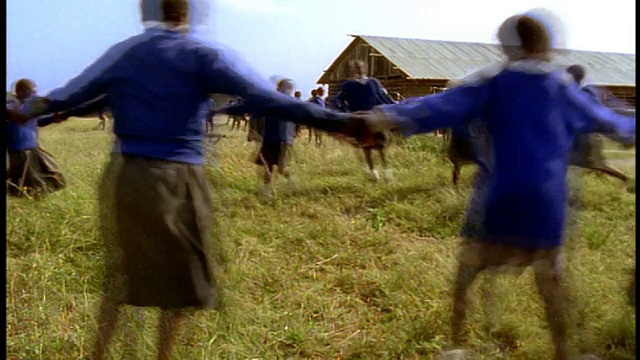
(533, 115)
(588, 149)
(362, 93)
(32, 170)
(317, 97)
(156, 209)
(277, 140)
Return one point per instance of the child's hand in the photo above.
(58, 118)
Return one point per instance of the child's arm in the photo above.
(594, 117)
(451, 108)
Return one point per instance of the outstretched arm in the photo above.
(594, 117)
(88, 108)
(451, 108)
(91, 83)
(228, 75)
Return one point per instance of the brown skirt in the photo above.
(156, 219)
(33, 172)
(483, 255)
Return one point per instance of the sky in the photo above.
(56, 39)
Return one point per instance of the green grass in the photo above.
(337, 269)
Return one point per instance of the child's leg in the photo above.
(369, 160)
(464, 278)
(268, 174)
(455, 173)
(553, 293)
(310, 134)
(283, 168)
(489, 304)
(107, 320)
(385, 167)
(171, 322)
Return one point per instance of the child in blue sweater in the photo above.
(533, 113)
(32, 170)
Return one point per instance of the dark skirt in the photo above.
(461, 150)
(273, 153)
(156, 218)
(255, 129)
(33, 172)
(379, 142)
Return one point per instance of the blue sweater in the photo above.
(25, 136)
(362, 96)
(158, 82)
(533, 114)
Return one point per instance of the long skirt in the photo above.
(33, 172)
(156, 218)
(272, 154)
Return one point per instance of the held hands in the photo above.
(363, 126)
(58, 118)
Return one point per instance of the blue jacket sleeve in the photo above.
(590, 116)
(88, 108)
(45, 120)
(91, 83)
(452, 108)
(231, 76)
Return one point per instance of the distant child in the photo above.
(277, 140)
(362, 93)
(209, 115)
(317, 97)
(32, 170)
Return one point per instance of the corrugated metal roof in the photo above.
(433, 59)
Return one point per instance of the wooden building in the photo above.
(415, 67)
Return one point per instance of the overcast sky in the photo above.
(56, 39)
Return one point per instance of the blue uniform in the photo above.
(25, 136)
(176, 74)
(539, 115)
(362, 95)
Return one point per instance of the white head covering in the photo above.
(509, 39)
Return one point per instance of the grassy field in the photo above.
(337, 268)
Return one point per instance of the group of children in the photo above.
(154, 183)
(360, 93)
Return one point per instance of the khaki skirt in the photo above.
(156, 218)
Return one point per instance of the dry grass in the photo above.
(337, 269)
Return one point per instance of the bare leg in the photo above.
(268, 172)
(488, 302)
(310, 134)
(372, 172)
(383, 158)
(554, 296)
(464, 278)
(171, 322)
(455, 174)
(107, 320)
